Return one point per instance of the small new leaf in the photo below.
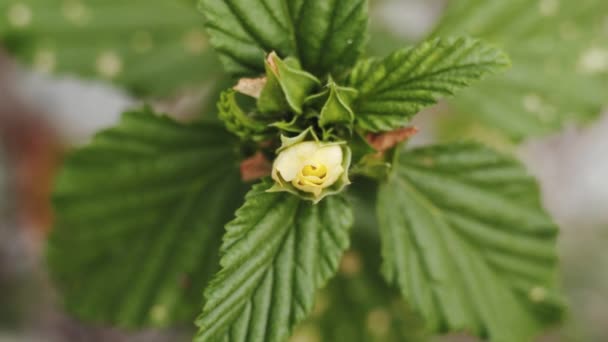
(466, 240)
(327, 36)
(276, 253)
(137, 215)
(237, 122)
(393, 89)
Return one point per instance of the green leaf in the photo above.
(276, 253)
(559, 75)
(393, 89)
(467, 241)
(151, 47)
(325, 35)
(137, 215)
(358, 305)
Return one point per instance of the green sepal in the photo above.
(338, 187)
(298, 123)
(337, 109)
(287, 142)
(237, 121)
(287, 86)
(288, 126)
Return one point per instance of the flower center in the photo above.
(312, 175)
(314, 170)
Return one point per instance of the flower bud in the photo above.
(311, 169)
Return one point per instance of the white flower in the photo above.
(309, 166)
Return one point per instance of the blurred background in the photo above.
(68, 68)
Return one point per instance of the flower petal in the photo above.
(292, 160)
(333, 175)
(330, 156)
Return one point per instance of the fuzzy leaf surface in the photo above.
(276, 253)
(136, 235)
(393, 89)
(150, 47)
(559, 75)
(325, 35)
(467, 242)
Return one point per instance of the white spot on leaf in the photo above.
(535, 104)
(19, 15)
(538, 294)
(532, 103)
(549, 8)
(76, 12)
(593, 60)
(109, 64)
(158, 313)
(378, 322)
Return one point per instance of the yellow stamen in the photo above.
(314, 170)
